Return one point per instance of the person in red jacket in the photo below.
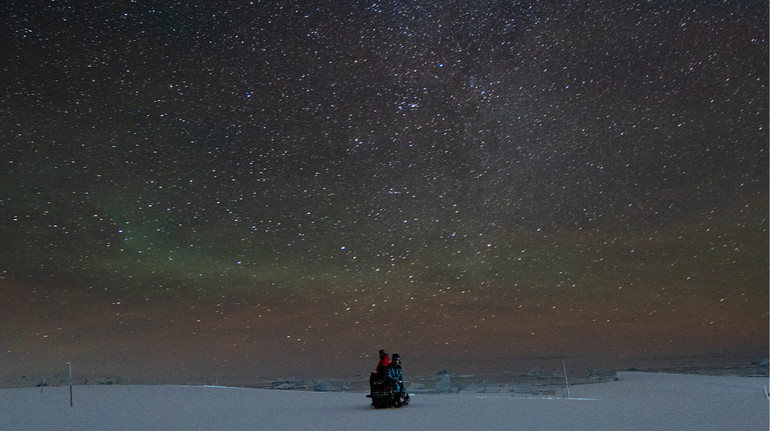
(380, 372)
(382, 366)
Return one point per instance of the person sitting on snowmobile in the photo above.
(382, 366)
(395, 380)
(381, 372)
(395, 374)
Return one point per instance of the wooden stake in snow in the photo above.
(70, 365)
(565, 378)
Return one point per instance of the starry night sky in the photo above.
(245, 189)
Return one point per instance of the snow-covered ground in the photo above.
(636, 401)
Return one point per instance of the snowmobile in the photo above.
(385, 393)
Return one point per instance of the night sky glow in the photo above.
(239, 190)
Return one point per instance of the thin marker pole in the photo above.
(565, 378)
(70, 365)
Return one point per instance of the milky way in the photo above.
(245, 189)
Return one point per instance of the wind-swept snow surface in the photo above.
(637, 401)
